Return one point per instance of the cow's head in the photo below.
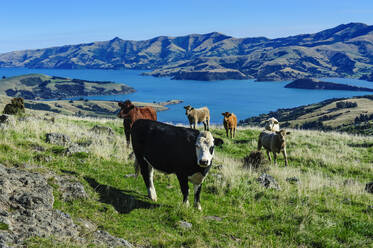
(205, 148)
(226, 115)
(282, 136)
(125, 107)
(272, 124)
(188, 108)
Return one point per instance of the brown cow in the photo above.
(230, 123)
(130, 113)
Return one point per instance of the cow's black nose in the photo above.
(203, 162)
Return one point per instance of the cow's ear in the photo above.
(186, 107)
(131, 107)
(223, 114)
(229, 114)
(218, 142)
(120, 104)
(287, 133)
(276, 122)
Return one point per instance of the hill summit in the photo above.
(342, 51)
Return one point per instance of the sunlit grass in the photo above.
(327, 207)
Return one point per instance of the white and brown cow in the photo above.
(186, 152)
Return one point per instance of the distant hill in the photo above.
(40, 86)
(353, 115)
(342, 51)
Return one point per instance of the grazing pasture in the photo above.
(326, 206)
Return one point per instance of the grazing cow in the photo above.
(273, 142)
(272, 125)
(230, 123)
(186, 152)
(130, 113)
(197, 116)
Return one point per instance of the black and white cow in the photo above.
(186, 152)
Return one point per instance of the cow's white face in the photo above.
(204, 149)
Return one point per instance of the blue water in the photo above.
(245, 98)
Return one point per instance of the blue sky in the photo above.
(31, 24)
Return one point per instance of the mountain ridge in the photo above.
(342, 51)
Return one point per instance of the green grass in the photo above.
(327, 208)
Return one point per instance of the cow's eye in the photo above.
(211, 149)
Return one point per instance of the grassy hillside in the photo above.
(41, 87)
(88, 108)
(331, 114)
(328, 207)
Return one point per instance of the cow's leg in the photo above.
(128, 138)
(147, 175)
(127, 131)
(208, 124)
(234, 132)
(275, 157)
(269, 156)
(226, 132)
(231, 132)
(285, 157)
(204, 125)
(183, 181)
(197, 194)
(195, 124)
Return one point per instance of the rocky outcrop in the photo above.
(26, 210)
(210, 75)
(57, 139)
(268, 181)
(311, 84)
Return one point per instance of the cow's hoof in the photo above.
(186, 203)
(198, 206)
(154, 198)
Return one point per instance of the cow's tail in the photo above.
(136, 165)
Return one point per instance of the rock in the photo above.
(292, 180)
(31, 200)
(102, 130)
(268, 181)
(75, 148)
(37, 147)
(87, 225)
(26, 210)
(215, 218)
(184, 224)
(72, 190)
(4, 119)
(102, 237)
(57, 139)
(369, 187)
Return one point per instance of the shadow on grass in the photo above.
(123, 201)
(245, 141)
(363, 145)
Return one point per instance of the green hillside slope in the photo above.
(353, 115)
(326, 207)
